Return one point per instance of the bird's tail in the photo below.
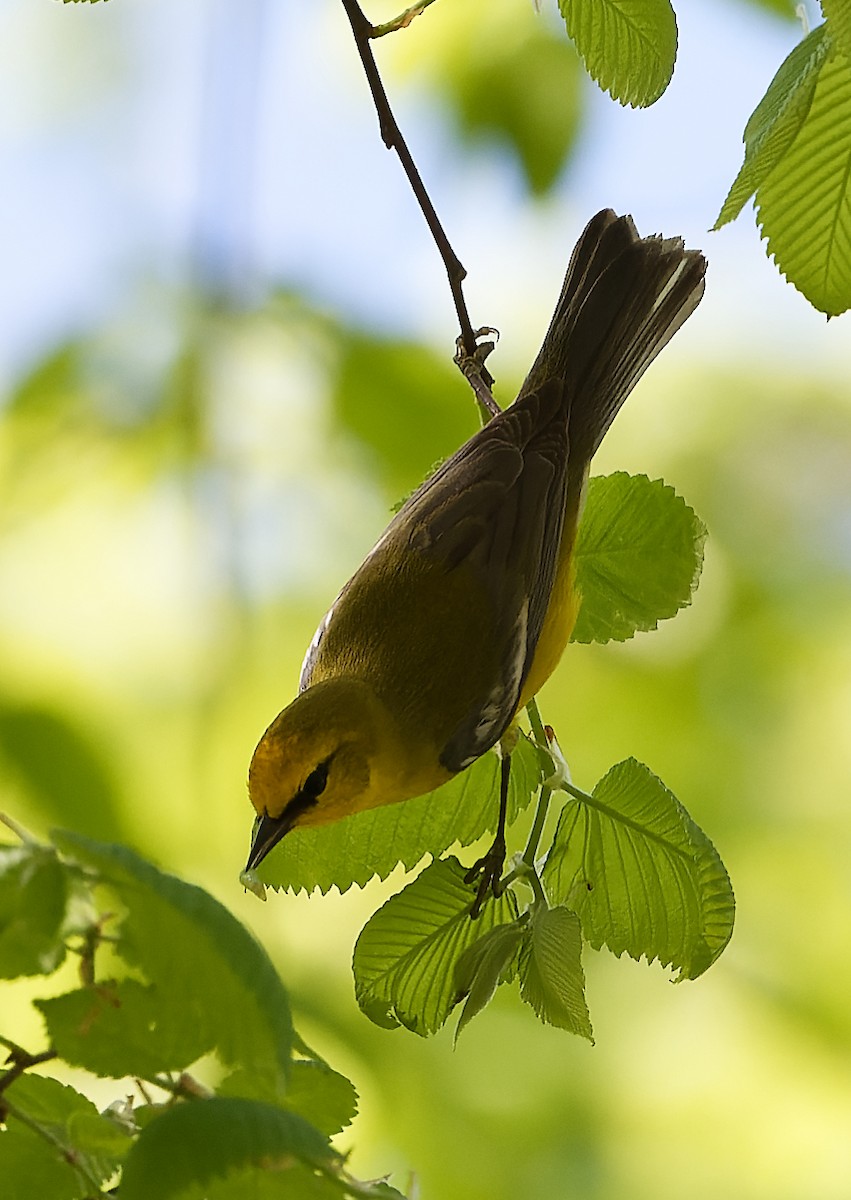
(623, 298)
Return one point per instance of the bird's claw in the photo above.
(475, 361)
(488, 871)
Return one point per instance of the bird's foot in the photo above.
(488, 871)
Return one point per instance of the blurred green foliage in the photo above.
(175, 515)
(139, 723)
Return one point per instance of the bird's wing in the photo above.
(496, 508)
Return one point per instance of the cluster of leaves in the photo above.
(797, 142)
(517, 82)
(627, 867)
(184, 980)
(797, 160)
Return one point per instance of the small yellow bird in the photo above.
(462, 610)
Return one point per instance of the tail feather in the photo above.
(623, 299)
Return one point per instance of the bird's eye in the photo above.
(314, 785)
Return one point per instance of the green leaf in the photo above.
(321, 1095)
(34, 895)
(551, 977)
(492, 960)
(256, 1183)
(777, 119)
(194, 1144)
(640, 874)
(804, 207)
(629, 47)
(96, 1143)
(318, 1093)
(639, 556)
(837, 14)
(222, 989)
(30, 1168)
(123, 1028)
(405, 956)
(371, 843)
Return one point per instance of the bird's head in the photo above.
(313, 764)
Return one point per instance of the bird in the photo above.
(463, 608)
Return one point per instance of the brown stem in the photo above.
(21, 1061)
(392, 137)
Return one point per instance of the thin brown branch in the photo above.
(21, 1061)
(185, 1087)
(392, 137)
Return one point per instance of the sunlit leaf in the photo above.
(629, 47)
(491, 960)
(404, 961)
(638, 557)
(357, 848)
(804, 207)
(642, 876)
(837, 14)
(551, 977)
(222, 988)
(777, 119)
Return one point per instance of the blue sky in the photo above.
(122, 133)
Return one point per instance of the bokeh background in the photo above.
(225, 342)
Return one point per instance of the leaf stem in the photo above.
(25, 836)
(546, 792)
(585, 797)
(392, 137)
(186, 1087)
(537, 827)
(536, 722)
(538, 888)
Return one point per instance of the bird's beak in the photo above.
(267, 832)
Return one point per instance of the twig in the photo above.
(402, 21)
(186, 1087)
(21, 1061)
(23, 834)
(392, 137)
